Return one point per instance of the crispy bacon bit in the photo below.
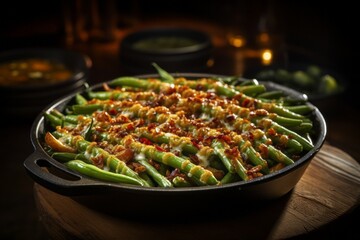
(271, 132)
(218, 174)
(127, 141)
(247, 103)
(195, 99)
(264, 150)
(248, 136)
(170, 90)
(103, 117)
(194, 159)
(261, 112)
(195, 142)
(155, 164)
(175, 152)
(230, 117)
(284, 140)
(160, 148)
(130, 127)
(145, 141)
(210, 95)
(138, 167)
(98, 160)
(254, 172)
(124, 154)
(151, 126)
(122, 119)
(113, 111)
(199, 87)
(225, 138)
(139, 122)
(233, 152)
(176, 172)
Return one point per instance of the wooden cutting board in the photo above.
(329, 188)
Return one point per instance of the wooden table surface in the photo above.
(329, 188)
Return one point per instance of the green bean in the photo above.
(251, 90)
(66, 156)
(88, 131)
(271, 107)
(304, 142)
(229, 178)
(130, 82)
(71, 119)
(147, 179)
(291, 145)
(56, 118)
(93, 152)
(163, 169)
(53, 120)
(86, 109)
(180, 182)
(168, 138)
(276, 94)
(233, 165)
(164, 75)
(104, 95)
(219, 151)
(158, 178)
(225, 91)
(286, 122)
(302, 128)
(95, 172)
(278, 156)
(300, 109)
(172, 160)
(57, 113)
(80, 100)
(279, 110)
(254, 157)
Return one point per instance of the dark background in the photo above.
(319, 32)
(326, 29)
(316, 32)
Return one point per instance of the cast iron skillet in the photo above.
(133, 200)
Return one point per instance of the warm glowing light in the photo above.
(266, 57)
(237, 41)
(264, 38)
(210, 62)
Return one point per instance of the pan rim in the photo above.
(103, 187)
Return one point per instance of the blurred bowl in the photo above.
(175, 49)
(28, 99)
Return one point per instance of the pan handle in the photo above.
(56, 176)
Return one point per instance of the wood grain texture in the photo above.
(329, 188)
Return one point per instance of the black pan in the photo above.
(130, 200)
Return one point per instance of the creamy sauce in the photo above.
(185, 133)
